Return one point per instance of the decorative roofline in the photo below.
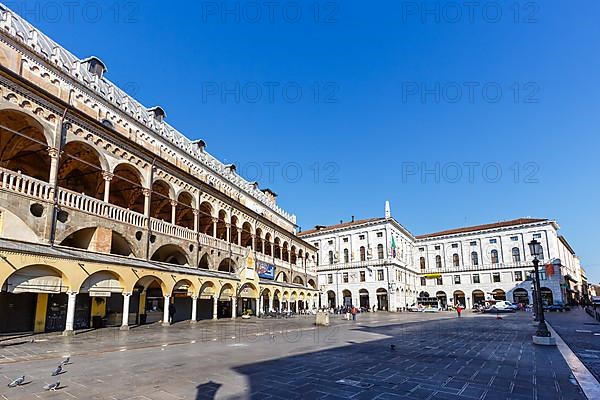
(36, 41)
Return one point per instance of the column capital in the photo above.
(126, 294)
(146, 192)
(166, 295)
(195, 212)
(174, 203)
(53, 153)
(194, 298)
(107, 175)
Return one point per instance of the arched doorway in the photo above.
(247, 296)
(126, 189)
(382, 299)
(331, 299)
(347, 298)
(363, 295)
(148, 294)
(499, 294)
(34, 299)
(478, 297)
(547, 296)
(208, 292)
(264, 300)
(104, 294)
(277, 300)
(181, 308)
(224, 304)
(442, 298)
(459, 298)
(521, 296)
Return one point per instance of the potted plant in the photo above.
(246, 314)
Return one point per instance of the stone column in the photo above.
(228, 234)
(233, 307)
(215, 307)
(107, 178)
(239, 237)
(54, 158)
(296, 306)
(70, 313)
(260, 305)
(214, 221)
(271, 303)
(167, 302)
(147, 196)
(125, 321)
(262, 245)
(173, 211)
(194, 309)
(196, 213)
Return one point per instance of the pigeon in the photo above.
(392, 347)
(65, 361)
(52, 386)
(17, 382)
(58, 370)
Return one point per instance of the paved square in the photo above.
(436, 356)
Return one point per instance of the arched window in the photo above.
(422, 262)
(438, 261)
(474, 258)
(346, 256)
(516, 254)
(330, 257)
(363, 254)
(494, 256)
(455, 260)
(380, 251)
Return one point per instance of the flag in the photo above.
(549, 269)
(393, 248)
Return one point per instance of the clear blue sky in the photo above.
(376, 66)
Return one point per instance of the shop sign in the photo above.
(265, 270)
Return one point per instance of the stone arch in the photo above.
(247, 233)
(146, 281)
(26, 151)
(268, 239)
(234, 230)
(37, 278)
(81, 169)
(277, 248)
(206, 261)
(293, 254)
(208, 289)
(227, 265)
(312, 283)
(184, 286)
(478, 297)
(248, 289)
(88, 238)
(127, 188)
(499, 294)
(222, 225)
(205, 221)
(298, 280)
(285, 255)
(170, 254)
(103, 281)
(258, 240)
(227, 291)
(160, 200)
(184, 210)
(282, 277)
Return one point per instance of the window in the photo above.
(380, 251)
(537, 235)
(455, 260)
(457, 279)
(379, 274)
(542, 273)
(541, 256)
(330, 257)
(422, 262)
(421, 248)
(345, 277)
(438, 261)
(361, 237)
(363, 255)
(476, 278)
(516, 254)
(330, 242)
(518, 276)
(345, 240)
(379, 234)
(514, 238)
(438, 281)
(437, 247)
(474, 258)
(473, 243)
(346, 256)
(423, 281)
(494, 256)
(455, 245)
(492, 241)
(329, 278)
(316, 244)
(362, 276)
(496, 277)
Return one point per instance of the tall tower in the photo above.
(388, 212)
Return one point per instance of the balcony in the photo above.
(477, 268)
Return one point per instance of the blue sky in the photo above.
(388, 90)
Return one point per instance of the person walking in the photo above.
(459, 310)
(172, 312)
(354, 312)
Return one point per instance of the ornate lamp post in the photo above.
(542, 330)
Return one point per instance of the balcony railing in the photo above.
(25, 185)
(475, 268)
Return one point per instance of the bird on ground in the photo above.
(58, 370)
(392, 347)
(65, 361)
(17, 382)
(52, 386)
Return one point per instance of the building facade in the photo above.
(466, 266)
(108, 215)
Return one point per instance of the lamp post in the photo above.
(542, 330)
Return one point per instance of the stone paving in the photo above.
(582, 334)
(436, 356)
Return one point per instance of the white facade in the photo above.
(467, 266)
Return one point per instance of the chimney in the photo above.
(341, 222)
(353, 218)
(388, 212)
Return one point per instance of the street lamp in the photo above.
(536, 250)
